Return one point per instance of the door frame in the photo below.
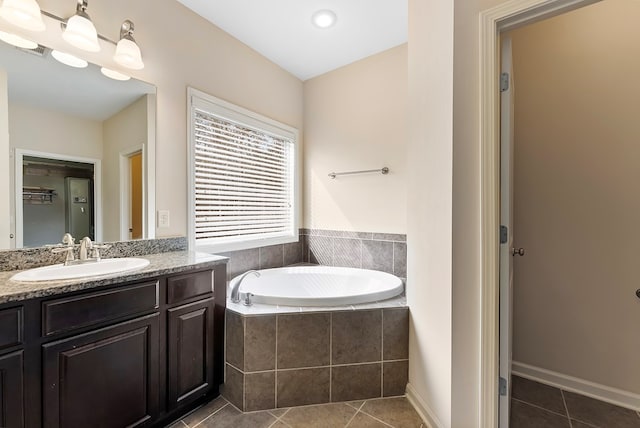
(506, 16)
(17, 189)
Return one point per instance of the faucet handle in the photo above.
(95, 248)
(69, 250)
(67, 239)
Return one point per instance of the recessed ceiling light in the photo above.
(324, 18)
(68, 59)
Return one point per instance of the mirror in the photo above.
(83, 151)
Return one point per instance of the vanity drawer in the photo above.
(11, 327)
(183, 287)
(89, 309)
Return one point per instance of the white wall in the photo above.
(355, 118)
(576, 179)
(124, 131)
(181, 49)
(429, 208)
(5, 185)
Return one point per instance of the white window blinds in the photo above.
(243, 176)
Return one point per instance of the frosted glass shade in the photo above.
(128, 55)
(22, 13)
(18, 41)
(68, 59)
(81, 33)
(115, 75)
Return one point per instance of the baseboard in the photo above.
(422, 408)
(580, 386)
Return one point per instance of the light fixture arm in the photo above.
(126, 30)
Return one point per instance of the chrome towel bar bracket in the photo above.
(384, 170)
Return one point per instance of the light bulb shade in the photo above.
(68, 59)
(18, 41)
(81, 33)
(115, 75)
(22, 13)
(128, 54)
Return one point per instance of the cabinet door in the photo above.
(11, 386)
(105, 378)
(190, 347)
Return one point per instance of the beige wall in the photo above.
(181, 49)
(355, 118)
(576, 179)
(125, 131)
(54, 132)
(429, 208)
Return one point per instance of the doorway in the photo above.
(575, 152)
(55, 194)
(132, 210)
(493, 22)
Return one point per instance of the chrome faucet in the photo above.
(235, 289)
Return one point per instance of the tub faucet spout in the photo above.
(235, 288)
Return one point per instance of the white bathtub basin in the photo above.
(319, 286)
(83, 270)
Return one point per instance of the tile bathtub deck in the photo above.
(377, 413)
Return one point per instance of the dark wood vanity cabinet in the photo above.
(132, 355)
(11, 389)
(190, 351)
(105, 378)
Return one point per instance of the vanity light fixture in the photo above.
(18, 41)
(115, 75)
(324, 18)
(127, 51)
(22, 13)
(80, 31)
(68, 59)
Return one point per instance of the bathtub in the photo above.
(319, 286)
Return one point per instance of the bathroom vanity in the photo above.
(132, 350)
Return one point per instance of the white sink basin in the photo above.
(83, 270)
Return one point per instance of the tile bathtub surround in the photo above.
(367, 250)
(287, 360)
(28, 258)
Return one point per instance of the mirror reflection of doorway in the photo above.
(57, 197)
(135, 192)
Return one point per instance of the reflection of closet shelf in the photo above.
(38, 195)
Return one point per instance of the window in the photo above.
(242, 177)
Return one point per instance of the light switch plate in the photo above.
(163, 218)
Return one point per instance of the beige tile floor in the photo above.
(377, 413)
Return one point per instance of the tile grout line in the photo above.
(377, 419)
(539, 407)
(184, 423)
(382, 352)
(200, 423)
(330, 357)
(275, 382)
(566, 409)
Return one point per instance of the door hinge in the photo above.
(504, 234)
(504, 82)
(503, 386)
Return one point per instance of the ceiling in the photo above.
(42, 82)
(281, 30)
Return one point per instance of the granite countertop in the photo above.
(160, 264)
